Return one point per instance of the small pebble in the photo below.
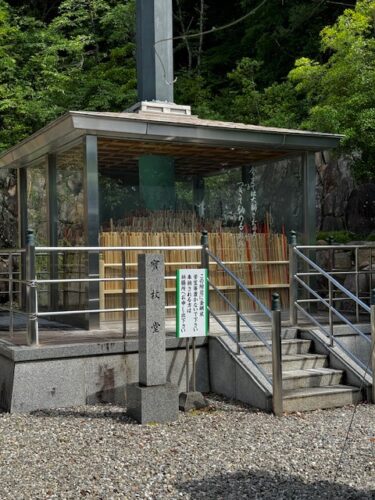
(228, 451)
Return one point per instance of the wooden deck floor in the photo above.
(53, 333)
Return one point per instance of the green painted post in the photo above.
(157, 182)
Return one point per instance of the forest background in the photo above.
(292, 63)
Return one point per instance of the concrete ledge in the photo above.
(85, 378)
(78, 350)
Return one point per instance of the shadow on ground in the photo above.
(265, 485)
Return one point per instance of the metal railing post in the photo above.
(238, 322)
(205, 264)
(277, 379)
(10, 290)
(356, 253)
(204, 254)
(330, 312)
(292, 282)
(123, 272)
(31, 291)
(373, 342)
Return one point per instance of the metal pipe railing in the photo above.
(334, 287)
(240, 347)
(239, 316)
(331, 310)
(274, 316)
(114, 249)
(277, 376)
(337, 341)
(334, 282)
(241, 285)
(32, 283)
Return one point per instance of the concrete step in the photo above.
(295, 362)
(313, 377)
(292, 346)
(248, 335)
(314, 398)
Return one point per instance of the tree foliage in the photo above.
(272, 69)
(82, 59)
(340, 92)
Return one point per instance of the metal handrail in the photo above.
(114, 249)
(236, 308)
(238, 282)
(335, 247)
(242, 350)
(12, 251)
(341, 344)
(332, 280)
(242, 317)
(33, 280)
(331, 308)
(329, 332)
(275, 326)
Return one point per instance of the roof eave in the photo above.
(73, 125)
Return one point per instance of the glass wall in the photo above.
(70, 196)
(247, 211)
(8, 209)
(279, 194)
(37, 203)
(70, 168)
(244, 199)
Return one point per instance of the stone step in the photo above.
(247, 335)
(292, 346)
(313, 377)
(295, 362)
(314, 398)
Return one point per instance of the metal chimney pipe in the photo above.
(154, 60)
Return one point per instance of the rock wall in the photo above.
(8, 209)
(341, 204)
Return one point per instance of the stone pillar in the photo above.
(154, 50)
(151, 294)
(152, 399)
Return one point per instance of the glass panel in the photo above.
(8, 233)
(37, 214)
(8, 209)
(279, 194)
(37, 204)
(70, 169)
(70, 196)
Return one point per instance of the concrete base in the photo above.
(154, 404)
(55, 376)
(191, 401)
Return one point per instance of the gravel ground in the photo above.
(225, 452)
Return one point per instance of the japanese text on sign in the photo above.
(192, 293)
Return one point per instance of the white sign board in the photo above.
(191, 302)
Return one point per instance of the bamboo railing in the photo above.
(259, 260)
